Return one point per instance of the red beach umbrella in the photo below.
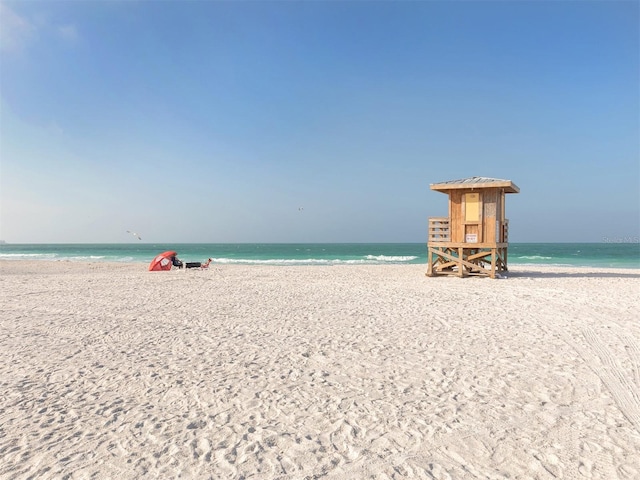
(162, 261)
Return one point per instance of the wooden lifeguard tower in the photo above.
(473, 239)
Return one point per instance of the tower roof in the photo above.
(476, 182)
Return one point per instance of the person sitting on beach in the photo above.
(206, 265)
(176, 262)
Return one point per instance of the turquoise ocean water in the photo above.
(618, 255)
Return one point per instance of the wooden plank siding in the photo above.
(456, 215)
(490, 215)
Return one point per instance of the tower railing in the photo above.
(439, 229)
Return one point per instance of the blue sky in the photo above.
(217, 121)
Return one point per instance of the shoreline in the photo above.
(345, 371)
(515, 270)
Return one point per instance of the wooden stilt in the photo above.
(493, 263)
(461, 260)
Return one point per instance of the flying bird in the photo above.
(134, 234)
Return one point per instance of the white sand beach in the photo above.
(344, 372)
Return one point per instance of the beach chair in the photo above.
(199, 265)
